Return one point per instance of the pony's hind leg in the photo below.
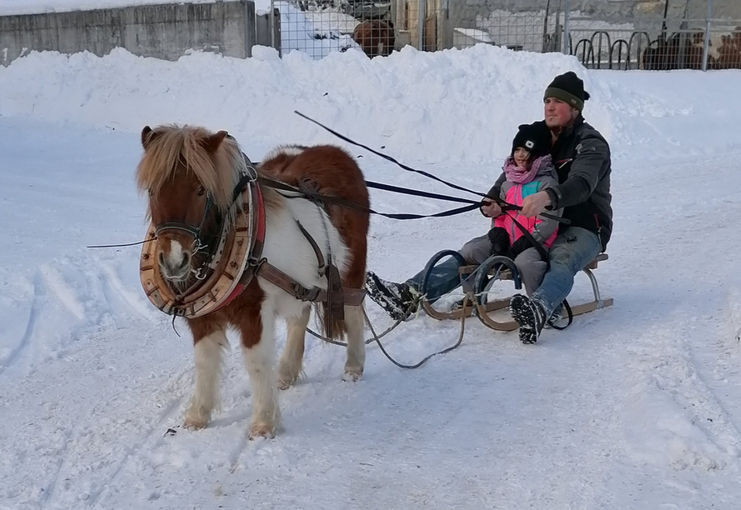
(289, 366)
(355, 343)
(208, 353)
(259, 357)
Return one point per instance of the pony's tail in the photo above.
(333, 327)
(333, 309)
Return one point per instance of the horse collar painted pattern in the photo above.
(254, 253)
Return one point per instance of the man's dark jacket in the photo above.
(582, 158)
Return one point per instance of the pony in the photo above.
(375, 37)
(192, 177)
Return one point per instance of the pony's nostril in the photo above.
(161, 258)
(186, 260)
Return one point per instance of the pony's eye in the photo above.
(149, 191)
(201, 191)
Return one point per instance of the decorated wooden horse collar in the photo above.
(230, 266)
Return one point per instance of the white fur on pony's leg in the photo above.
(354, 320)
(289, 366)
(259, 360)
(208, 352)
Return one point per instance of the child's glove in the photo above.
(522, 244)
(499, 240)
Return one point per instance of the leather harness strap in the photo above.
(259, 265)
(352, 297)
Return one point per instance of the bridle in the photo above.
(193, 231)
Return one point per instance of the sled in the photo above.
(495, 313)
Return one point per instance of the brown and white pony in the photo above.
(185, 168)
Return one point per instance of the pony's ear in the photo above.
(148, 136)
(212, 142)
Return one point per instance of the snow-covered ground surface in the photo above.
(634, 406)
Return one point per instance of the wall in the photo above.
(163, 31)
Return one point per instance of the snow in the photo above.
(634, 406)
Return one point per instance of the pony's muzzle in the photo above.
(175, 263)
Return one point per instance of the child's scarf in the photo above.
(519, 175)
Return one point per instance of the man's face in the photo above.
(558, 114)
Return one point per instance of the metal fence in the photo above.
(602, 34)
(318, 27)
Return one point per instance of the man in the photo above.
(582, 159)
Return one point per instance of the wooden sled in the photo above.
(495, 313)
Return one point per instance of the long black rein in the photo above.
(473, 204)
(309, 192)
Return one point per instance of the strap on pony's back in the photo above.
(244, 179)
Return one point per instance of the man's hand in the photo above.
(534, 204)
(490, 209)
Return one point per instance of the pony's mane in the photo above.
(173, 147)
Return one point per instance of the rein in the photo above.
(306, 190)
(376, 337)
(120, 245)
(396, 189)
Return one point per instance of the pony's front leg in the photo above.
(289, 367)
(208, 352)
(258, 345)
(354, 320)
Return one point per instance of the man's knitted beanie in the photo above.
(568, 87)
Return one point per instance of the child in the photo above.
(528, 169)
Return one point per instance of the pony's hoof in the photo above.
(195, 423)
(196, 420)
(262, 430)
(352, 375)
(288, 376)
(286, 381)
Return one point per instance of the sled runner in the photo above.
(495, 313)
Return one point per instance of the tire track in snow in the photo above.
(39, 297)
(62, 454)
(695, 430)
(152, 438)
(53, 300)
(115, 291)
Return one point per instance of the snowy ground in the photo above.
(635, 406)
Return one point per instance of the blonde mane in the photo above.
(173, 147)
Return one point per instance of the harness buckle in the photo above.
(305, 294)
